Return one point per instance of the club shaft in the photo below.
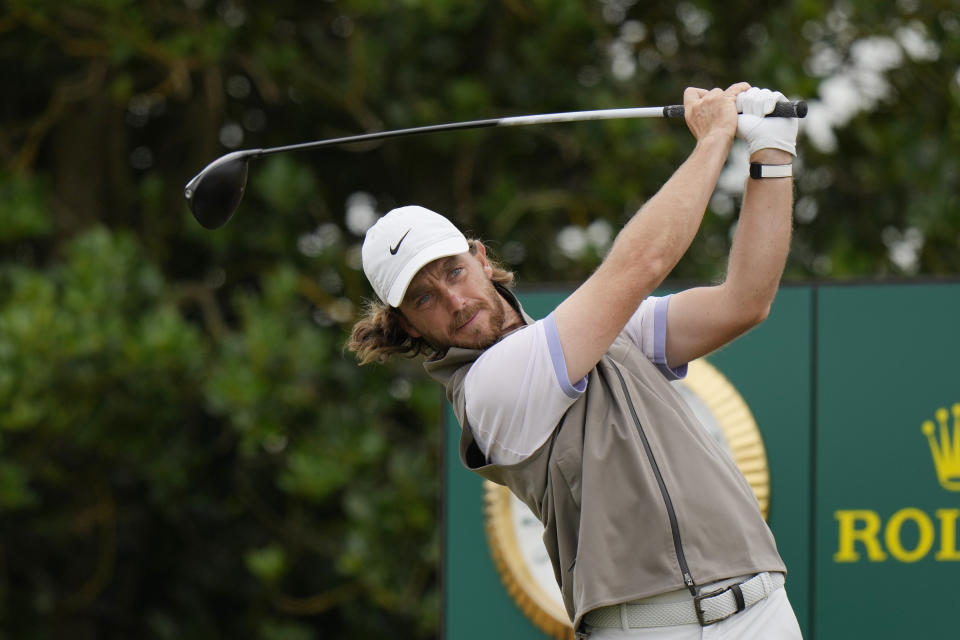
(215, 192)
(510, 121)
(380, 135)
(574, 116)
(796, 109)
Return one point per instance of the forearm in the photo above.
(645, 251)
(654, 240)
(703, 319)
(762, 240)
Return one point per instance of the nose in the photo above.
(455, 301)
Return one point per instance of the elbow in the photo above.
(760, 314)
(754, 315)
(746, 312)
(656, 269)
(639, 274)
(653, 267)
(746, 308)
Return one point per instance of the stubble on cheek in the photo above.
(483, 332)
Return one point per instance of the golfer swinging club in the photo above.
(652, 530)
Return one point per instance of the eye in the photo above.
(455, 272)
(422, 300)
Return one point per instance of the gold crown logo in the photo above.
(946, 451)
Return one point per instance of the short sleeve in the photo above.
(517, 392)
(647, 329)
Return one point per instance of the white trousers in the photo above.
(770, 619)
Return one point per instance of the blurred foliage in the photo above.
(185, 450)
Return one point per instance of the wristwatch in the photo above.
(759, 170)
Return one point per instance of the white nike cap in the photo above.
(401, 243)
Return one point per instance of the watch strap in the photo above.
(759, 170)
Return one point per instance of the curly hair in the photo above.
(379, 335)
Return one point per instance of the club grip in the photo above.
(791, 109)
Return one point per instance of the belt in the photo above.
(704, 609)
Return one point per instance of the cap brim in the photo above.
(447, 247)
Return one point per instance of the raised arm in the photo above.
(654, 240)
(704, 319)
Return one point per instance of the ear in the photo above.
(481, 256)
(406, 326)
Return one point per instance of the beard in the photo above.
(476, 336)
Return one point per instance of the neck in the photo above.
(512, 318)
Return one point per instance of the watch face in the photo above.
(515, 534)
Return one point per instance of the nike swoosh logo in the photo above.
(394, 249)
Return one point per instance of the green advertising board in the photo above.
(855, 391)
(886, 545)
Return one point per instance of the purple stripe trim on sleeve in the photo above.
(660, 342)
(559, 363)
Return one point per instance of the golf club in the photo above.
(214, 193)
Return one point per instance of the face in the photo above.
(452, 302)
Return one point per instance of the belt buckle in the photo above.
(699, 609)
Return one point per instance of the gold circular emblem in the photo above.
(514, 533)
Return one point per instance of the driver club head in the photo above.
(215, 192)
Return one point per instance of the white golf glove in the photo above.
(760, 132)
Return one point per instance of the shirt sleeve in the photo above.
(647, 328)
(517, 392)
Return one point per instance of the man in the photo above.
(651, 528)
